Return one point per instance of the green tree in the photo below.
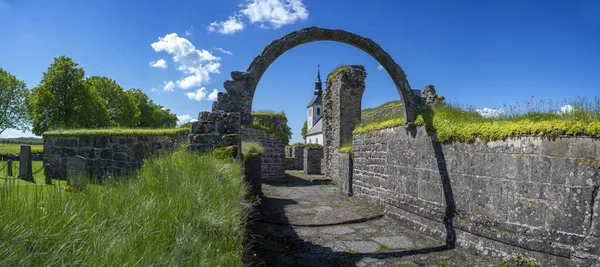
(304, 130)
(187, 125)
(62, 100)
(121, 106)
(151, 115)
(13, 111)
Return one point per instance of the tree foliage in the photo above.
(122, 109)
(62, 100)
(13, 111)
(304, 130)
(151, 115)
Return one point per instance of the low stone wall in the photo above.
(345, 171)
(299, 156)
(530, 196)
(312, 160)
(105, 156)
(290, 163)
(273, 158)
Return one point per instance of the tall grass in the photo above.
(181, 209)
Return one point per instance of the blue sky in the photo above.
(477, 53)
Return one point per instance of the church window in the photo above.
(318, 111)
(309, 141)
(316, 142)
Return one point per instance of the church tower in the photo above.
(315, 106)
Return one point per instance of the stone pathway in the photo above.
(305, 221)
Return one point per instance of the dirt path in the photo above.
(305, 221)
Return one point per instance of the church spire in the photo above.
(318, 83)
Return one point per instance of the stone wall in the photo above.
(216, 129)
(346, 168)
(341, 112)
(290, 163)
(105, 156)
(299, 158)
(273, 158)
(530, 196)
(312, 160)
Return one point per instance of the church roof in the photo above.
(317, 99)
(317, 128)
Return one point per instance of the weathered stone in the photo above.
(273, 158)
(312, 160)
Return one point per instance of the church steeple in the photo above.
(318, 83)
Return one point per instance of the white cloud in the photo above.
(380, 67)
(201, 94)
(490, 112)
(189, 32)
(181, 119)
(566, 109)
(230, 26)
(213, 96)
(277, 13)
(153, 90)
(169, 86)
(161, 63)
(223, 51)
(196, 64)
(267, 13)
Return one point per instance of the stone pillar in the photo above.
(312, 160)
(346, 168)
(9, 170)
(253, 177)
(341, 112)
(299, 158)
(25, 169)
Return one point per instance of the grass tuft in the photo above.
(181, 209)
(117, 132)
(346, 147)
(252, 150)
(390, 104)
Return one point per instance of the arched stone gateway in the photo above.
(240, 90)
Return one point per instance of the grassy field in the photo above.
(15, 149)
(181, 209)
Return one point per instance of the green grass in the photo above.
(309, 146)
(390, 104)
(16, 149)
(337, 72)
(117, 132)
(268, 113)
(346, 147)
(452, 123)
(181, 209)
(251, 150)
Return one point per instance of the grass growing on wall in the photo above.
(337, 72)
(182, 209)
(283, 134)
(117, 132)
(390, 104)
(251, 150)
(16, 149)
(452, 123)
(346, 147)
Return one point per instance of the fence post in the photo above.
(9, 171)
(25, 169)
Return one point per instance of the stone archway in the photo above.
(240, 90)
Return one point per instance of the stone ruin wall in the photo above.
(273, 158)
(531, 196)
(341, 112)
(104, 156)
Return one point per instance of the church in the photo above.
(314, 133)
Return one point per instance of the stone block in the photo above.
(204, 127)
(556, 147)
(527, 212)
